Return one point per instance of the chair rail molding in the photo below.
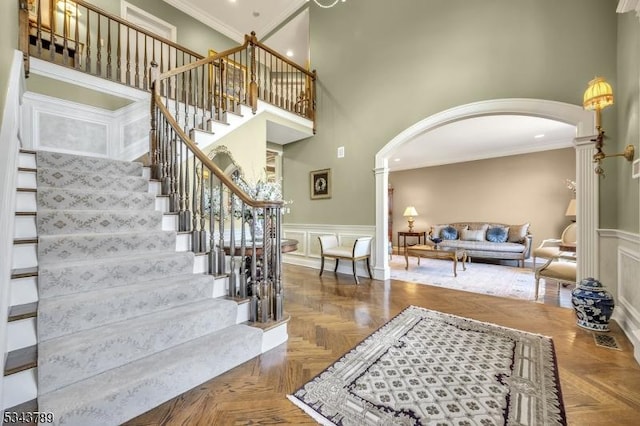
(587, 183)
(619, 272)
(308, 253)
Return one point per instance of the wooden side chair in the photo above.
(560, 268)
(330, 248)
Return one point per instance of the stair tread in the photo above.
(25, 213)
(30, 406)
(21, 359)
(21, 189)
(125, 326)
(26, 240)
(24, 272)
(75, 162)
(26, 310)
(27, 151)
(117, 393)
(115, 259)
(27, 169)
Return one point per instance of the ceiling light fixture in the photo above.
(327, 5)
(289, 53)
(540, 136)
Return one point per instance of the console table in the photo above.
(405, 234)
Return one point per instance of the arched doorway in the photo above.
(587, 182)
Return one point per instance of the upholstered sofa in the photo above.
(486, 240)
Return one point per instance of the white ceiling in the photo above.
(466, 140)
(482, 137)
(235, 18)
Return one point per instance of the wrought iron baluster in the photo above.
(233, 285)
(221, 257)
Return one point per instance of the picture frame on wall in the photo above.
(45, 13)
(320, 184)
(234, 76)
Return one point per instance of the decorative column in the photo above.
(588, 214)
(381, 270)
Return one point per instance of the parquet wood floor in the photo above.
(330, 315)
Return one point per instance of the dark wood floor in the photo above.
(330, 315)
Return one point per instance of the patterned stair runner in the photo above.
(123, 322)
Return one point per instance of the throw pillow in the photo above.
(449, 233)
(475, 235)
(517, 233)
(436, 230)
(497, 234)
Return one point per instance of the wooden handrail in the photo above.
(206, 160)
(255, 41)
(137, 28)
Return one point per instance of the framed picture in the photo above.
(320, 184)
(45, 13)
(234, 77)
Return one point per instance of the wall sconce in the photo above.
(598, 96)
(410, 212)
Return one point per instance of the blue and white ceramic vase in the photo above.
(593, 305)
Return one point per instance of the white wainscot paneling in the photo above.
(620, 252)
(72, 134)
(308, 253)
(58, 125)
(135, 131)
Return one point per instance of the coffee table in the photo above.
(430, 252)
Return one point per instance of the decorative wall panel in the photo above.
(72, 134)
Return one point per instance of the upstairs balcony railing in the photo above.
(81, 36)
(189, 92)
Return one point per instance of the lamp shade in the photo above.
(598, 95)
(571, 208)
(410, 211)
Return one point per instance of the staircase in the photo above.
(124, 320)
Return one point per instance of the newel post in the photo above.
(153, 136)
(253, 85)
(23, 33)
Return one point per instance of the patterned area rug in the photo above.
(484, 278)
(426, 367)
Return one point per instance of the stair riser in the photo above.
(153, 380)
(64, 315)
(25, 227)
(86, 164)
(67, 360)
(57, 222)
(24, 256)
(26, 202)
(58, 248)
(53, 178)
(27, 160)
(20, 387)
(21, 334)
(59, 279)
(23, 291)
(26, 180)
(65, 199)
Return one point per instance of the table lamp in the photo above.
(409, 213)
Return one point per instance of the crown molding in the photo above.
(220, 26)
(625, 6)
(214, 23)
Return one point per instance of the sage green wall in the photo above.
(627, 102)
(59, 89)
(191, 33)
(527, 188)
(248, 144)
(383, 66)
(8, 43)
